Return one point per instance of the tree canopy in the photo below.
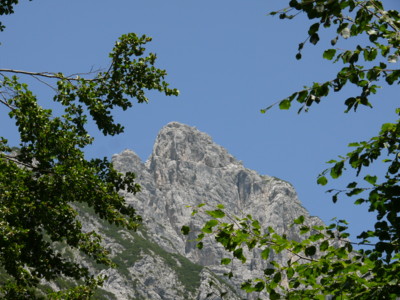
(45, 178)
(324, 263)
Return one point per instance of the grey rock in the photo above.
(187, 168)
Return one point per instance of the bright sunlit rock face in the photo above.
(188, 168)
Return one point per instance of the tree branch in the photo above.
(6, 104)
(73, 77)
(42, 74)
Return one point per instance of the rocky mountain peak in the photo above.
(127, 161)
(180, 142)
(187, 168)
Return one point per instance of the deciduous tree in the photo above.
(48, 177)
(324, 262)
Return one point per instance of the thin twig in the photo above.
(8, 105)
(361, 244)
(391, 24)
(42, 74)
(13, 159)
(87, 73)
(47, 74)
(44, 82)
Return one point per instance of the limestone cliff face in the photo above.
(187, 168)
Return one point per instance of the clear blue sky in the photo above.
(229, 60)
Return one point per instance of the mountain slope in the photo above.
(157, 262)
(187, 168)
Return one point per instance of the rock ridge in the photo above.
(187, 168)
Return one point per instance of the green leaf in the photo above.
(185, 230)
(216, 213)
(371, 179)
(200, 237)
(200, 245)
(274, 295)
(336, 171)
(316, 237)
(293, 3)
(289, 273)
(265, 253)
(324, 245)
(359, 201)
(313, 29)
(353, 145)
(335, 198)
(207, 228)
(269, 271)
(211, 223)
(352, 185)
(302, 95)
(304, 230)
(370, 55)
(238, 253)
(220, 206)
(322, 180)
(314, 39)
(355, 191)
(259, 286)
(246, 286)
(299, 220)
(226, 261)
(256, 224)
(310, 251)
(284, 104)
(329, 54)
(277, 277)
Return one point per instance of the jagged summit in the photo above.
(128, 161)
(187, 168)
(177, 141)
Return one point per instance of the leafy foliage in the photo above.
(350, 19)
(41, 183)
(7, 8)
(324, 263)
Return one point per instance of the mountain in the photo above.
(187, 168)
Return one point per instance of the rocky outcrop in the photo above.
(187, 168)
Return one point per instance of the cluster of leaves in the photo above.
(40, 182)
(381, 196)
(350, 18)
(7, 8)
(324, 262)
(381, 30)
